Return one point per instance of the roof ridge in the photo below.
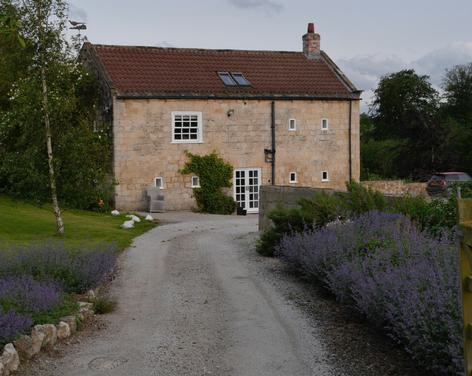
(192, 49)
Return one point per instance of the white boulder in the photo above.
(63, 330)
(86, 308)
(128, 224)
(50, 334)
(10, 359)
(149, 218)
(71, 321)
(134, 218)
(115, 212)
(29, 346)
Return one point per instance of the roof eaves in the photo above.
(282, 96)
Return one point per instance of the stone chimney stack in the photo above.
(311, 43)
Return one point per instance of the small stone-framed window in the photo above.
(195, 182)
(324, 124)
(324, 176)
(187, 127)
(292, 124)
(293, 177)
(159, 182)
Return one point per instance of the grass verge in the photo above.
(23, 223)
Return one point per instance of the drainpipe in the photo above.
(272, 130)
(350, 140)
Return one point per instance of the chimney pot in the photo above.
(311, 27)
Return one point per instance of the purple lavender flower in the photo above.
(398, 277)
(76, 270)
(12, 324)
(27, 295)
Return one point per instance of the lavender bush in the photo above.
(76, 270)
(395, 275)
(24, 294)
(11, 324)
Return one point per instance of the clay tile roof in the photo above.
(180, 72)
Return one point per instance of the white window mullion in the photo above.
(187, 127)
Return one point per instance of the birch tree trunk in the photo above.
(42, 19)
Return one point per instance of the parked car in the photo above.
(441, 183)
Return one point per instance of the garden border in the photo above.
(44, 337)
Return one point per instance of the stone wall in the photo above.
(286, 196)
(397, 187)
(143, 150)
(272, 196)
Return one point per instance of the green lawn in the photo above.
(22, 223)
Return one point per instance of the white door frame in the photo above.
(247, 187)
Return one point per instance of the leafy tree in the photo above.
(52, 143)
(405, 109)
(457, 86)
(457, 116)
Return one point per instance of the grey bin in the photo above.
(156, 200)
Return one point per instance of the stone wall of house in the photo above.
(143, 149)
(397, 187)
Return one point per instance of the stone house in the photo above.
(284, 118)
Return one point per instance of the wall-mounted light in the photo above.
(269, 155)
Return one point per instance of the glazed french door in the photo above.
(246, 188)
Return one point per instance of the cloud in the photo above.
(365, 71)
(77, 14)
(270, 6)
(435, 63)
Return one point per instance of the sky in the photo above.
(366, 38)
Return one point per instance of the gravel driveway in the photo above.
(189, 305)
(194, 299)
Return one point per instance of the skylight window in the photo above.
(233, 79)
(227, 79)
(240, 79)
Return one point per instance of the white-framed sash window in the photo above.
(187, 127)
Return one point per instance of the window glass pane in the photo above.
(240, 79)
(227, 79)
(186, 127)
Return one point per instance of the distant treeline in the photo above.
(412, 130)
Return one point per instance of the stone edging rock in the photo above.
(42, 337)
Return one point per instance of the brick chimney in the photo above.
(311, 43)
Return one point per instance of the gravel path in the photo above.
(194, 299)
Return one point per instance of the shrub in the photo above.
(214, 174)
(323, 208)
(285, 221)
(12, 324)
(215, 202)
(76, 271)
(361, 199)
(103, 305)
(398, 277)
